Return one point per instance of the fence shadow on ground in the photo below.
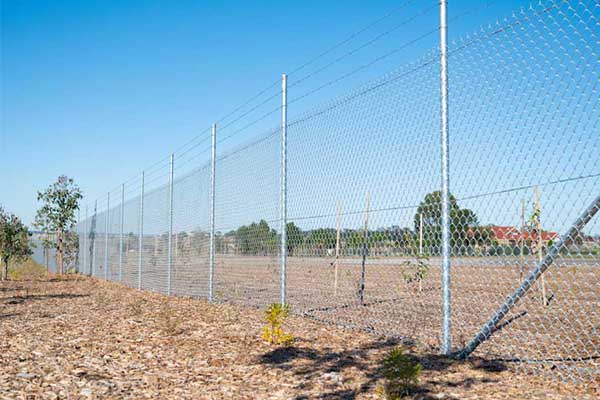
(305, 361)
(22, 299)
(10, 289)
(9, 315)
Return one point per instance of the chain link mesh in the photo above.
(247, 266)
(131, 223)
(190, 233)
(364, 203)
(352, 255)
(524, 165)
(44, 255)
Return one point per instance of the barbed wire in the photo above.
(367, 44)
(311, 61)
(153, 167)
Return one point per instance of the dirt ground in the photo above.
(90, 339)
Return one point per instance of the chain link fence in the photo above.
(362, 203)
(44, 253)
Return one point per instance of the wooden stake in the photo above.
(337, 248)
(365, 249)
(523, 228)
(421, 233)
(176, 244)
(540, 241)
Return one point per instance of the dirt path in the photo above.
(84, 338)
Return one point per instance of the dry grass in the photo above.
(84, 338)
(168, 319)
(26, 270)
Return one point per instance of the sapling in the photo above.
(400, 373)
(417, 271)
(273, 332)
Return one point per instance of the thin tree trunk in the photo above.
(5, 274)
(46, 260)
(61, 250)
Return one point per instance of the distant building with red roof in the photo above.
(512, 236)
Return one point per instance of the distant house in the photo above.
(512, 236)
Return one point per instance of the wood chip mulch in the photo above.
(82, 338)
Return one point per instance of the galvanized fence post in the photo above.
(141, 233)
(95, 217)
(78, 232)
(84, 249)
(283, 200)
(446, 310)
(121, 233)
(211, 253)
(170, 238)
(107, 220)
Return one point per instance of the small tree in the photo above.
(430, 214)
(273, 332)
(14, 240)
(71, 244)
(57, 215)
(400, 373)
(295, 238)
(417, 271)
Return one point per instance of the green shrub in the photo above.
(400, 373)
(273, 332)
(418, 271)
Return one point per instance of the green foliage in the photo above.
(400, 373)
(256, 239)
(319, 240)
(182, 238)
(431, 210)
(295, 238)
(56, 217)
(480, 238)
(26, 269)
(417, 271)
(273, 332)
(71, 250)
(14, 240)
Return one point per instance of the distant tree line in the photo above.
(466, 234)
(467, 237)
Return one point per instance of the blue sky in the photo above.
(100, 90)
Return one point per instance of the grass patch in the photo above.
(27, 270)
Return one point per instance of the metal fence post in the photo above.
(121, 233)
(84, 248)
(211, 253)
(170, 238)
(107, 220)
(94, 228)
(283, 205)
(78, 232)
(446, 311)
(141, 235)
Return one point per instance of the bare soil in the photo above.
(90, 339)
